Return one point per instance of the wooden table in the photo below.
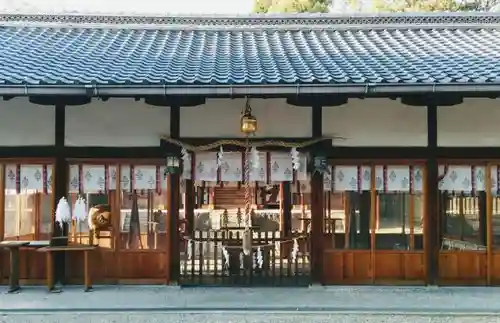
(13, 247)
(49, 251)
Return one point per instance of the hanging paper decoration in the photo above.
(295, 159)
(242, 261)
(254, 158)
(186, 163)
(63, 212)
(277, 246)
(225, 254)
(295, 250)
(190, 249)
(260, 258)
(220, 156)
(247, 239)
(80, 210)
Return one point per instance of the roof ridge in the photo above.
(469, 18)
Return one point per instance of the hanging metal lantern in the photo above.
(172, 165)
(248, 122)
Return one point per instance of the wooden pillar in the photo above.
(60, 178)
(316, 245)
(489, 224)
(189, 206)
(173, 198)
(286, 209)
(432, 230)
(2, 202)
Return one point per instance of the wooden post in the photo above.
(489, 224)
(411, 219)
(317, 226)
(373, 219)
(347, 219)
(2, 202)
(286, 209)
(189, 205)
(60, 189)
(432, 227)
(116, 220)
(173, 198)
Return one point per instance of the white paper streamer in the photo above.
(295, 159)
(295, 250)
(255, 158)
(260, 258)
(220, 156)
(225, 254)
(63, 212)
(242, 261)
(185, 156)
(189, 249)
(80, 210)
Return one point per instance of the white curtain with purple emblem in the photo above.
(231, 169)
(206, 167)
(281, 167)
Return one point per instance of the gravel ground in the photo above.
(242, 318)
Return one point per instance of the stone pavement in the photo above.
(314, 300)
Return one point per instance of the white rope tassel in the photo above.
(220, 156)
(225, 254)
(295, 159)
(190, 249)
(260, 258)
(255, 159)
(295, 250)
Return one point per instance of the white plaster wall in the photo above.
(475, 123)
(25, 124)
(221, 118)
(116, 123)
(376, 122)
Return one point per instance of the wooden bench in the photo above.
(15, 268)
(49, 251)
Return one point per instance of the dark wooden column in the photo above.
(173, 201)
(189, 205)
(60, 187)
(286, 209)
(432, 223)
(316, 247)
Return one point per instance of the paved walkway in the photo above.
(346, 300)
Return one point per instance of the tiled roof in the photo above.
(252, 50)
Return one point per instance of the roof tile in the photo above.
(48, 55)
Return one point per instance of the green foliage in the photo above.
(432, 5)
(291, 6)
